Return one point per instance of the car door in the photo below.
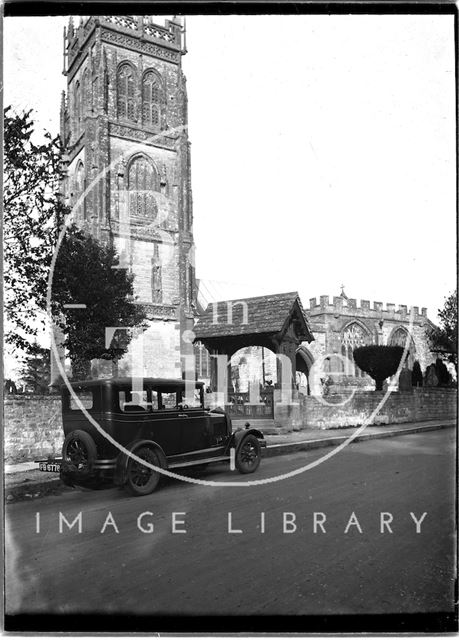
(195, 434)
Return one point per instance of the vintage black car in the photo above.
(153, 419)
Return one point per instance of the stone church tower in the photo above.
(124, 129)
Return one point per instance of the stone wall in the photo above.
(33, 424)
(406, 406)
(32, 428)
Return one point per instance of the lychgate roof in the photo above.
(269, 314)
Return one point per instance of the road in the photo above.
(210, 570)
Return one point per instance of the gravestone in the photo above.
(431, 378)
(404, 380)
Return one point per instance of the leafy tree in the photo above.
(380, 362)
(36, 369)
(416, 375)
(443, 339)
(443, 375)
(84, 274)
(32, 208)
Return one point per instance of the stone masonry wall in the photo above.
(409, 406)
(32, 428)
(33, 424)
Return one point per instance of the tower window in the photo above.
(142, 183)
(125, 90)
(79, 184)
(156, 276)
(77, 107)
(151, 99)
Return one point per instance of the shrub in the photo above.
(416, 375)
(380, 362)
(443, 375)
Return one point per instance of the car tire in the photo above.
(79, 452)
(248, 455)
(140, 480)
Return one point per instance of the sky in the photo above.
(322, 147)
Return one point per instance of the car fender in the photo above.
(123, 459)
(238, 436)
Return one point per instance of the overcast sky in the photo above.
(323, 148)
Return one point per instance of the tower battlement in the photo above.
(349, 307)
(171, 35)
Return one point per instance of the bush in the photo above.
(380, 362)
(416, 375)
(443, 375)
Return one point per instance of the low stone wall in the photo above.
(401, 406)
(33, 424)
(32, 427)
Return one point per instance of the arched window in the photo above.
(142, 183)
(354, 335)
(125, 90)
(156, 276)
(151, 99)
(79, 188)
(77, 106)
(401, 337)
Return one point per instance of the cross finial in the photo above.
(343, 295)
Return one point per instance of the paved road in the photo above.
(208, 570)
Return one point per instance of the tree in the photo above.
(84, 274)
(36, 369)
(32, 207)
(443, 339)
(443, 375)
(380, 362)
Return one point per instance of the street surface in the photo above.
(209, 570)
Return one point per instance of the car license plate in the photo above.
(54, 467)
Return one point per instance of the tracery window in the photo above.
(142, 183)
(354, 336)
(151, 99)
(125, 91)
(402, 337)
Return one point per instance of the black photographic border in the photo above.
(407, 624)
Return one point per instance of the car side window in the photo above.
(194, 401)
(154, 400)
(133, 400)
(168, 400)
(85, 397)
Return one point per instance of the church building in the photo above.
(127, 155)
(128, 181)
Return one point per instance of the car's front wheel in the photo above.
(140, 479)
(248, 455)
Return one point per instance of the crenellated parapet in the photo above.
(378, 310)
(153, 38)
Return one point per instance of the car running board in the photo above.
(192, 463)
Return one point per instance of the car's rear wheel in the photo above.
(79, 452)
(248, 455)
(140, 479)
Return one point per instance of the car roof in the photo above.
(128, 381)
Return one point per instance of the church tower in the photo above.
(124, 129)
